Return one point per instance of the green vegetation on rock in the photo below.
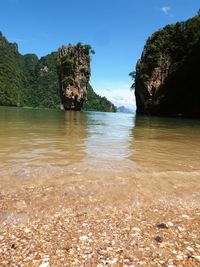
(27, 81)
(97, 103)
(12, 78)
(167, 75)
(74, 75)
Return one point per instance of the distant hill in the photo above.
(27, 81)
(123, 109)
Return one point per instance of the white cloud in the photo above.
(166, 10)
(118, 93)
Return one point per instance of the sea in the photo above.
(40, 147)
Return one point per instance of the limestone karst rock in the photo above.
(74, 75)
(167, 75)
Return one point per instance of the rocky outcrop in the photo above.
(166, 81)
(148, 84)
(74, 75)
(158, 75)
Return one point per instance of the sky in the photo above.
(116, 29)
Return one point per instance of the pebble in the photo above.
(44, 264)
(196, 257)
(159, 239)
(179, 257)
(186, 216)
(162, 226)
(83, 238)
(27, 230)
(181, 229)
(190, 249)
(136, 229)
(112, 261)
(13, 246)
(169, 224)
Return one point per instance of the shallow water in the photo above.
(38, 146)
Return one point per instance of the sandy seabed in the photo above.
(101, 219)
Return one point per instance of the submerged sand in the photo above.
(94, 217)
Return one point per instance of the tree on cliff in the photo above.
(167, 75)
(133, 76)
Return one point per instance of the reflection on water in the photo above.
(166, 144)
(39, 143)
(35, 136)
(109, 135)
(42, 143)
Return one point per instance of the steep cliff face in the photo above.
(12, 79)
(74, 75)
(149, 82)
(167, 75)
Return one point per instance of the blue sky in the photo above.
(116, 29)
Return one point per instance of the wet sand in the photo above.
(102, 218)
